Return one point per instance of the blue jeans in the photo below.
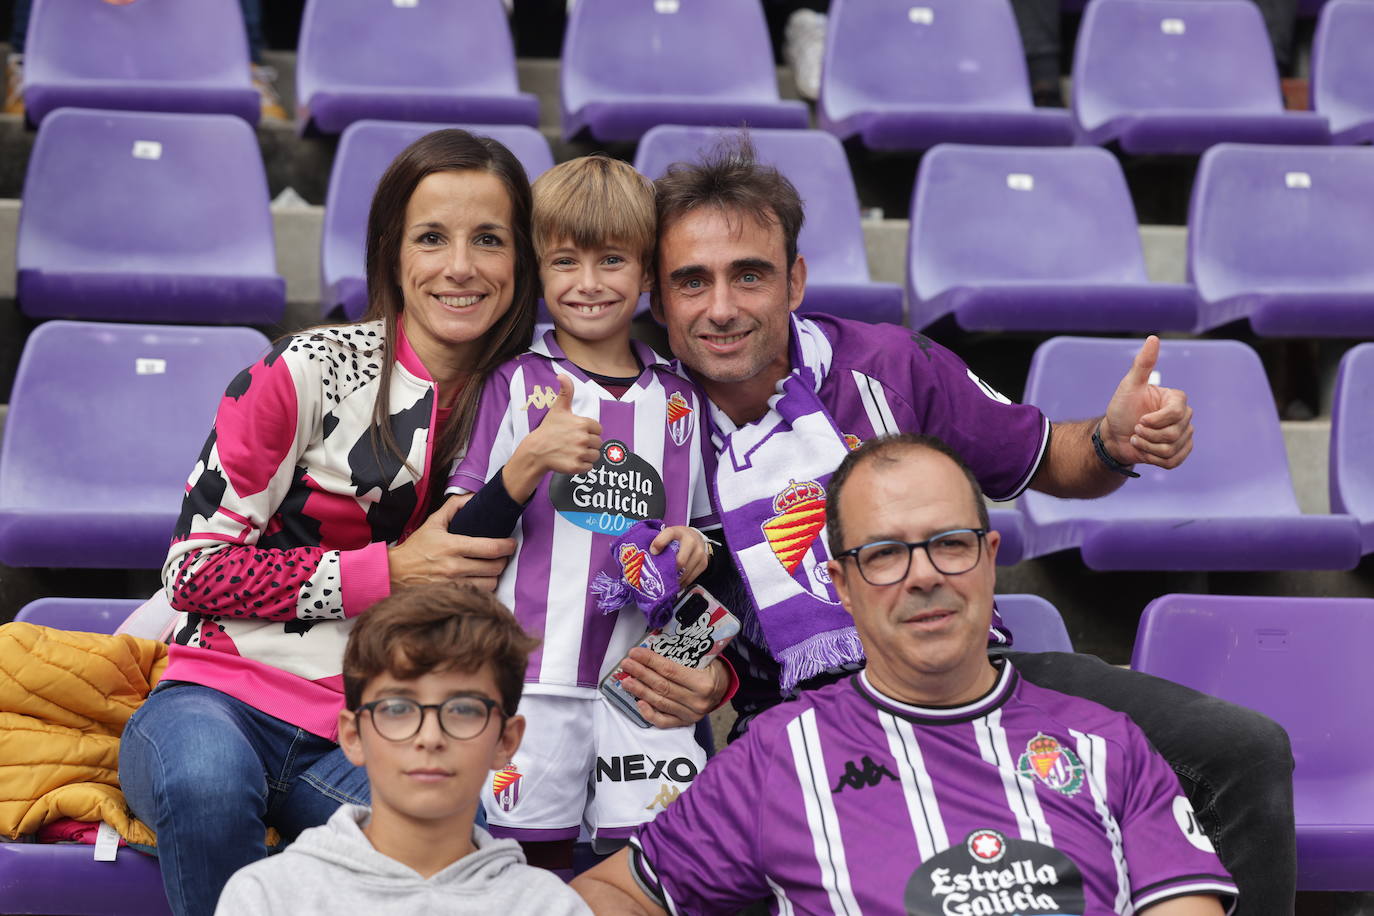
(1235, 765)
(210, 773)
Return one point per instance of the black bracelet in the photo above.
(1111, 463)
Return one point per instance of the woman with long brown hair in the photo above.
(316, 495)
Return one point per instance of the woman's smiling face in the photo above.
(457, 265)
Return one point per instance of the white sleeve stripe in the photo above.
(1185, 890)
(1035, 465)
(784, 905)
(875, 404)
(1092, 749)
(917, 789)
(821, 818)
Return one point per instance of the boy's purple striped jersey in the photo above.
(1026, 801)
(650, 467)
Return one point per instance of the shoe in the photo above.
(14, 84)
(803, 47)
(265, 81)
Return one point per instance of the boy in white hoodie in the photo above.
(432, 678)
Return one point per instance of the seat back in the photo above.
(964, 53)
(106, 56)
(1281, 218)
(365, 150)
(1300, 661)
(832, 238)
(136, 195)
(1342, 65)
(1173, 55)
(1227, 388)
(86, 615)
(1035, 624)
(1352, 438)
(706, 49)
(992, 214)
(368, 45)
(110, 417)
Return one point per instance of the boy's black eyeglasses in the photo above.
(400, 718)
(887, 562)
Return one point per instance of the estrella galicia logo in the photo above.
(619, 490)
(855, 778)
(992, 873)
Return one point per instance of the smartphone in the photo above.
(699, 630)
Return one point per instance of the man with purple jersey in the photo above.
(937, 781)
(788, 396)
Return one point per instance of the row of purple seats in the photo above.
(1300, 661)
(1009, 238)
(1154, 76)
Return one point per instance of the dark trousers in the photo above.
(1236, 766)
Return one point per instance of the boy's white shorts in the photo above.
(582, 760)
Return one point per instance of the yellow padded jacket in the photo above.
(64, 699)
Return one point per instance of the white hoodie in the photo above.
(334, 869)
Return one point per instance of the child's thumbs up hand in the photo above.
(563, 442)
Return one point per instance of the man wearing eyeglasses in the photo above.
(937, 781)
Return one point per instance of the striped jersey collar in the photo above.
(1001, 691)
(548, 346)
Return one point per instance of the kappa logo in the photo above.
(866, 778)
(666, 796)
(541, 396)
(1052, 764)
(505, 785)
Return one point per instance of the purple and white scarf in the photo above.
(768, 485)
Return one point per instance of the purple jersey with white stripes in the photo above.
(650, 467)
(1026, 801)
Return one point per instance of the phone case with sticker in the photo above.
(699, 630)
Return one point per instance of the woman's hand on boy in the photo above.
(693, 551)
(562, 442)
(431, 554)
(672, 695)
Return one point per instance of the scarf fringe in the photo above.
(817, 654)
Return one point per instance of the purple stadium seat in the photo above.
(1008, 521)
(628, 67)
(104, 425)
(147, 217)
(1342, 83)
(1302, 662)
(908, 76)
(1035, 624)
(1229, 506)
(85, 615)
(365, 150)
(407, 60)
(153, 55)
(66, 879)
(1009, 238)
(1352, 441)
(832, 238)
(1176, 76)
(1280, 235)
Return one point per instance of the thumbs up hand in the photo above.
(1146, 423)
(563, 442)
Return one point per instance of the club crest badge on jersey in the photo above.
(680, 422)
(1052, 765)
(793, 535)
(505, 785)
(852, 441)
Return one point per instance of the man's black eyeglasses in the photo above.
(400, 718)
(887, 562)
